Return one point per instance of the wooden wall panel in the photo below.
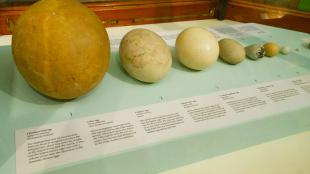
(155, 11)
(130, 13)
(242, 11)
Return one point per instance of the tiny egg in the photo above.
(285, 50)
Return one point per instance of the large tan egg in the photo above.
(145, 55)
(197, 48)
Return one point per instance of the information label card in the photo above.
(52, 145)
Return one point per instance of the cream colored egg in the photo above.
(197, 48)
(231, 51)
(145, 55)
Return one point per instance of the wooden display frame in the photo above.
(243, 11)
(130, 13)
(157, 11)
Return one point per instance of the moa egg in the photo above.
(145, 55)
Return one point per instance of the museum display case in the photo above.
(154, 86)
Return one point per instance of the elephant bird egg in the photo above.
(60, 48)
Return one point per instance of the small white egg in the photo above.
(285, 50)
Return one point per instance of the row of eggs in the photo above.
(146, 56)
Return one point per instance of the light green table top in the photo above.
(283, 152)
(22, 107)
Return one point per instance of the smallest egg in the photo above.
(285, 50)
(271, 49)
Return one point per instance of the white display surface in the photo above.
(52, 145)
(253, 159)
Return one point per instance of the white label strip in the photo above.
(47, 146)
(229, 31)
(169, 37)
(241, 30)
(306, 40)
(5, 40)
